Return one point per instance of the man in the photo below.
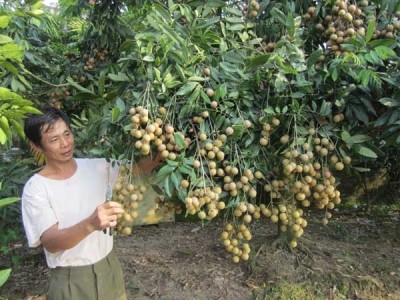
(64, 209)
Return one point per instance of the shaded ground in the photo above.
(353, 257)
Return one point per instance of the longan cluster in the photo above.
(58, 95)
(254, 8)
(346, 20)
(234, 182)
(218, 167)
(267, 129)
(235, 240)
(211, 150)
(247, 211)
(267, 47)
(289, 217)
(204, 202)
(149, 133)
(168, 207)
(304, 177)
(199, 119)
(129, 195)
(91, 60)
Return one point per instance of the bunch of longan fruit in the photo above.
(129, 194)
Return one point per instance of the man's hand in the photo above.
(106, 215)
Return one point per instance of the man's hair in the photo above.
(34, 124)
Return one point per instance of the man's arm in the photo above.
(105, 215)
(146, 164)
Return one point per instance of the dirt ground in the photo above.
(353, 257)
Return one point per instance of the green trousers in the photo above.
(101, 281)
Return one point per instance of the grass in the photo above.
(287, 291)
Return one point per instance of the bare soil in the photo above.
(353, 257)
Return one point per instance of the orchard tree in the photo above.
(13, 106)
(250, 122)
(254, 107)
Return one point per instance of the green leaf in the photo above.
(10, 67)
(258, 60)
(361, 170)
(197, 78)
(4, 20)
(7, 95)
(187, 88)
(313, 58)
(365, 79)
(115, 113)
(207, 22)
(157, 189)
(8, 201)
(382, 42)
(171, 34)
(4, 123)
(233, 11)
(179, 140)
(37, 12)
(346, 137)
(18, 127)
(79, 87)
(335, 74)
(165, 171)
(229, 68)
(389, 102)
(235, 27)
(118, 77)
(278, 15)
(221, 92)
(297, 95)
(364, 151)
(168, 186)
(385, 52)
(172, 163)
(30, 109)
(4, 274)
(149, 58)
(185, 169)
(12, 51)
(291, 25)
(359, 138)
(4, 39)
(370, 30)
(234, 20)
(3, 137)
(101, 84)
(175, 181)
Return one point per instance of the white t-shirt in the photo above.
(46, 202)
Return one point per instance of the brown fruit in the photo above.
(284, 139)
(210, 92)
(229, 131)
(184, 183)
(253, 13)
(275, 121)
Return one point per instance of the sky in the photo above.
(50, 2)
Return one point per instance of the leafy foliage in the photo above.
(269, 84)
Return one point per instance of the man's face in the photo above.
(57, 142)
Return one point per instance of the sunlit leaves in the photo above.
(13, 109)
